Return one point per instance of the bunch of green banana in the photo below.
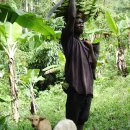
(88, 7)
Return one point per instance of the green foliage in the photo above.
(120, 29)
(2, 100)
(45, 55)
(31, 76)
(42, 7)
(110, 108)
(57, 24)
(7, 13)
(92, 30)
(1, 47)
(111, 23)
(9, 35)
(3, 123)
(27, 20)
(16, 31)
(3, 37)
(30, 41)
(2, 29)
(121, 7)
(52, 104)
(36, 23)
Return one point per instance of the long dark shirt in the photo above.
(78, 69)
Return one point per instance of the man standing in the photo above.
(79, 68)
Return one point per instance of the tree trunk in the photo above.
(31, 6)
(26, 6)
(104, 2)
(12, 75)
(120, 60)
(32, 103)
(13, 89)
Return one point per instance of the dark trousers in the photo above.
(77, 107)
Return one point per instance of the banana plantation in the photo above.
(32, 62)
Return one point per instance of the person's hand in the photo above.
(89, 44)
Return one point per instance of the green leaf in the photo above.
(37, 41)
(2, 100)
(27, 20)
(1, 47)
(61, 58)
(38, 79)
(97, 40)
(2, 29)
(3, 123)
(2, 35)
(58, 34)
(111, 23)
(16, 32)
(35, 23)
(30, 75)
(7, 13)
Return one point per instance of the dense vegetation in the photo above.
(39, 64)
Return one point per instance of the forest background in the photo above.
(32, 65)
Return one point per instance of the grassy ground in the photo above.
(110, 108)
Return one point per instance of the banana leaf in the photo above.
(26, 20)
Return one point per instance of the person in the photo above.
(79, 67)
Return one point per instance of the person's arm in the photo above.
(94, 60)
(94, 53)
(71, 15)
(91, 52)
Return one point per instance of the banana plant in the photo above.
(11, 25)
(29, 79)
(8, 41)
(26, 20)
(119, 30)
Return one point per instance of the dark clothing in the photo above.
(78, 70)
(77, 107)
(79, 74)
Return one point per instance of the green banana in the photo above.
(86, 6)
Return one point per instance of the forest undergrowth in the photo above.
(110, 108)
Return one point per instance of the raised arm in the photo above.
(71, 14)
